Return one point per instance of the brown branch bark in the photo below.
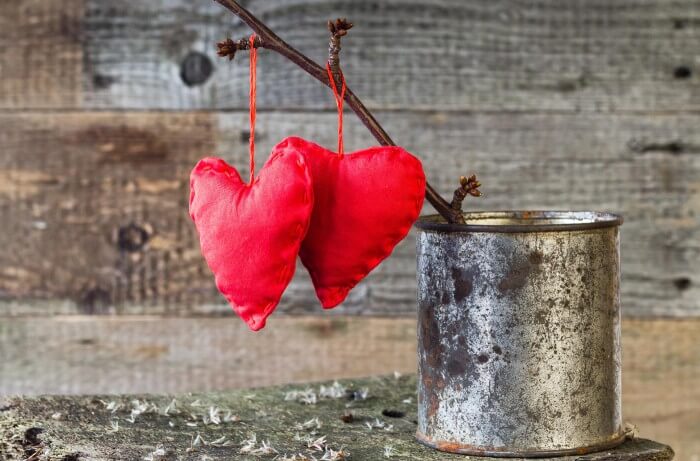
(271, 41)
(467, 186)
(338, 29)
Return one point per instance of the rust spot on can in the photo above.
(535, 258)
(516, 277)
(430, 335)
(463, 284)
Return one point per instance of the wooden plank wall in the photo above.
(105, 105)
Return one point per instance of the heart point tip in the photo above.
(332, 297)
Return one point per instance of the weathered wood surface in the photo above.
(41, 54)
(94, 205)
(631, 55)
(79, 355)
(150, 354)
(273, 423)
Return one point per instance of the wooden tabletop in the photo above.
(369, 419)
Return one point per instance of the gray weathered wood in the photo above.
(163, 427)
(132, 354)
(449, 54)
(94, 205)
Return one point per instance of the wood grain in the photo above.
(41, 53)
(94, 205)
(87, 354)
(155, 354)
(630, 55)
(84, 195)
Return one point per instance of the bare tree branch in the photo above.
(269, 40)
(468, 186)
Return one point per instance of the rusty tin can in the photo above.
(519, 333)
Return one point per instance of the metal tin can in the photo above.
(519, 333)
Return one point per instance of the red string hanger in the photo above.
(339, 100)
(251, 138)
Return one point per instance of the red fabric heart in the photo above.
(250, 234)
(365, 204)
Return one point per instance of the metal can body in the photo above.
(519, 333)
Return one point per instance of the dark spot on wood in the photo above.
(325, 328)
(682, 72)
(95, 301)
(482, 358)
(682, 283)
(70, 27)
(31, 437)
(132, 238)
(72, 457)
(572, 84)
(671, 147)
(260, 135)
(121, 143)
(7, 407)
(462, 282)
(566, 86)
(196, 68)
(391, 413)
(87, 341)
(352, 394)
(679, 23)
(497, 349)
(101, 82)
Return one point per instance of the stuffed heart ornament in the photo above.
(250, 234)
(364, 205)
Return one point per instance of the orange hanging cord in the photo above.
(251, 139)
(339, 100)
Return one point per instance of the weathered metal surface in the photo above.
(519, 333)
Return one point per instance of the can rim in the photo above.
(522, 221)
